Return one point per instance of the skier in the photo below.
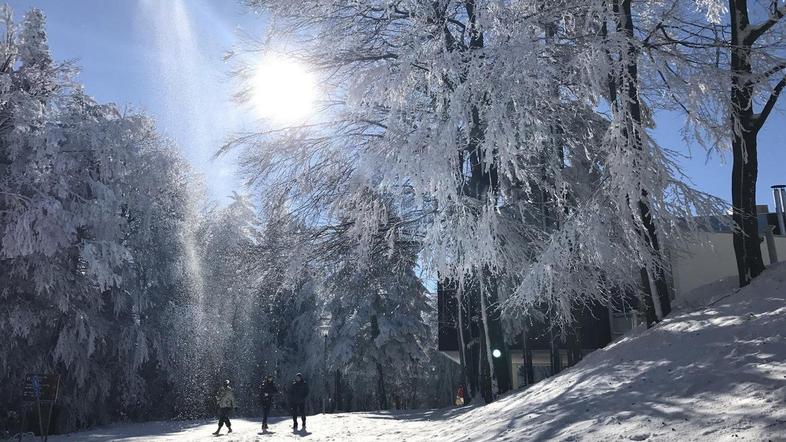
(297, 394)
(226, 402)
(268, 391)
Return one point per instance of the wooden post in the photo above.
(51, 407)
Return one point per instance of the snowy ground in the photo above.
(343, 427)
(715, 370)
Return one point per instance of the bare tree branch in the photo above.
(770, 104)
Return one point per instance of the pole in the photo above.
(777, 194)
(37, 393)
(337, 393)
(51, 406)
(24, 423)
(324, 373)
(40, 420)
(782, 194)
(771, 248)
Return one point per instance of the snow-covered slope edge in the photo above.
(716, 373)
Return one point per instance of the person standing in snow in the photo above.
(226, 402)
(296, 395)
(268, 391)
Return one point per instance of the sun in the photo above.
(283, 90)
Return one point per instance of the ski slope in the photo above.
(713, 371)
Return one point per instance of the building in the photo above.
(537, 353)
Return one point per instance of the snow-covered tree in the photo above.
(91, 202)
(723, 67)
(232, 316)
(473, 115)
(378, 309)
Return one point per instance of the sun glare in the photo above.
(283, 90)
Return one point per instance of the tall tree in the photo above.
(449, 107)
(378, 311)
(718, 68)
(82, 281)
(628, 108)
(746, 125)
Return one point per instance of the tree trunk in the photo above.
(462, 349)
(526, 356)
(472, 350)
(350, 398)
(747, 247)
(556, 360)
(383, 398)
(631, 106)
(502, 365)
(659, 289)
(482, 185)
(337, 403)
(488, 382)
(574, 344)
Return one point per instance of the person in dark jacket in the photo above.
(268, 391)
(297, 394)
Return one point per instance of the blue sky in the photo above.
(713, 174)
(166, 57)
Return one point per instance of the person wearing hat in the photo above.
(226, 402)
(297, 394)
(268, 391)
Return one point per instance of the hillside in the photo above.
(717, 372)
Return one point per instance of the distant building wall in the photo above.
(780, 246)
(713, 260)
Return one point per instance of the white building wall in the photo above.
(713, 260)
(780, 246)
